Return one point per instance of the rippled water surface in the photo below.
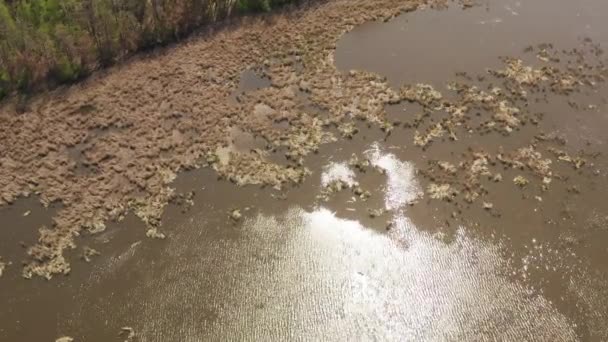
(393, 267)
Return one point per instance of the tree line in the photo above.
(50, 42)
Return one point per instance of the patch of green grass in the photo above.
(57, 41)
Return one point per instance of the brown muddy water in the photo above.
(304, 264)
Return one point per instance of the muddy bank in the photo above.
(142, 123)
